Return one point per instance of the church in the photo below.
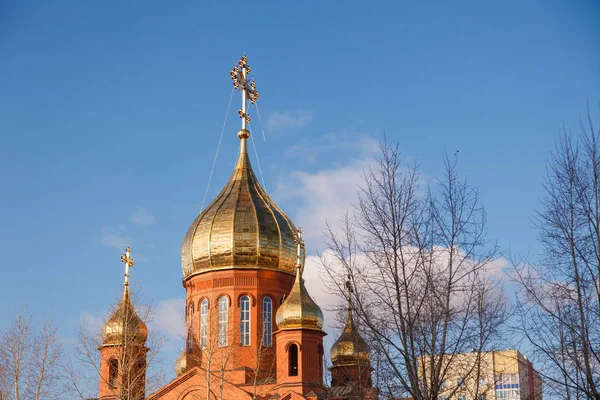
(252, 329)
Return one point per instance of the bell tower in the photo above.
(351, 364)
(300, 336)
(123, 350)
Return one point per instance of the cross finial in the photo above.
(349, 284)
(128, 261)
(350, 290)
(241, 82)
(300, 250)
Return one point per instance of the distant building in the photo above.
(499, 375)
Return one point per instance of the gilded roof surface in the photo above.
(350, 349)
(181, 363)
(299, 310)
(124, 325)
(242, 227)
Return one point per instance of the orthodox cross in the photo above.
(300, 250)
(128, 261)
(239, 74)
(349, 284)
(350, 291)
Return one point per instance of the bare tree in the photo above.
(419, 265)
(139, 369)
(210, 349)
(263, 371)
(559, 299)
(30, 359)
(216, 356)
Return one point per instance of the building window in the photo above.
(223, 306)
(293, 360)
(203, 322)
(462, 397)
(245, 321)
(482, 381)
(113, 373)
(460, 382)
(507, 387)
(482, 397)
(267, 322)
(190, 340)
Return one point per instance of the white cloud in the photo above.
(325, 146)
(320, 286)
(141, 216)
(116, 240)
(324, 196)
(294, 119)
(91, 322)
(169, 318)
(315, 283)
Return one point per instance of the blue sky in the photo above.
(110, 114)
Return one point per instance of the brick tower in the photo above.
(123, 350)
(351, 364)
(300, 337)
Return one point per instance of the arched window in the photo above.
(245, 321)
(190, 339)
(267, 312)
(223, 306)
(293, 360)
(203, 322)
(113, 373)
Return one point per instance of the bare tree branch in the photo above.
(559, 298)
(419, 265)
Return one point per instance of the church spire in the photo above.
(300, 253)
(299, 310)
(123, 350)
(350, 291)
(349, 319)
(242, 227)
(350, 349)
(124, 324)
(128, 262)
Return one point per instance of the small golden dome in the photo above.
(298, 309)
(241, 228)
(124, 326)
(181, 363)
(350, 349)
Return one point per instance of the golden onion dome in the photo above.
(181, 363)
(299, 311)
(350, 349)
(241, 228)
(124, 325)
